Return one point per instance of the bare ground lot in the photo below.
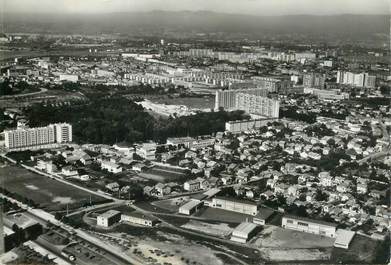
(290, 255)
(219, 229)
(363, 250)
(192, 248)
(206, 102)
(50, 194)
(277, 237)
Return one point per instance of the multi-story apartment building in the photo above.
(314, 80)
(258, 105)
(201, 53)
(226, 99)
(273, 84)
(356, 79)
(38, 138)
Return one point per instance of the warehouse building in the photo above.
(263, 215)
(108, 218)
(235, 205)
(309, 226)
(243, 232)
(138, 218)
(191, 207)
(344, 237)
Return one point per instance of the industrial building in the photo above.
(235, 205)
(190, 207)
(309, 226)
(263, 215)
(243, 232)
(38, 138)
(344, 238)
(138, 218)
(108, 218)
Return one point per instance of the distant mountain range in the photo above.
(198, 22)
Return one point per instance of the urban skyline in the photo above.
(250, 7)
(178, 132)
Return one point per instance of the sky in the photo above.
(253, 7)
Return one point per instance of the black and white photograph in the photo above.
(195, 132)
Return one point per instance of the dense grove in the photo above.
(112, 119)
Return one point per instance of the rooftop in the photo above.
(264, 213)
(109, 214)
(236, 200)
(310, 220)
(191, 204)
(344, 237)
(245, 227)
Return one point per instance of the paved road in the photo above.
(46, 216)
(42, 90)
(97, 207)
(226, 241)
(42, 215)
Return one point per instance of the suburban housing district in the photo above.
(124, 151)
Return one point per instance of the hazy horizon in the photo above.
(244, 7)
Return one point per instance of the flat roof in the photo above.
(235, 200)
(309, 220)
(245, 227)
(109, 213)
(141, 216)
(252, 120)
(191, 204)
(344, 237)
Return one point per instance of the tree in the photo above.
(5, 88)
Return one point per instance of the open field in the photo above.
(220, 229)
(50, 194)
(185, 248)
(206, 102)
(363, 250)
(289, 255)
(277, 237)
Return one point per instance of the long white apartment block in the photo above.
(38, 138)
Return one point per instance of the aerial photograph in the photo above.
(195, 132)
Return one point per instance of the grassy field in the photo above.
(50, 194)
